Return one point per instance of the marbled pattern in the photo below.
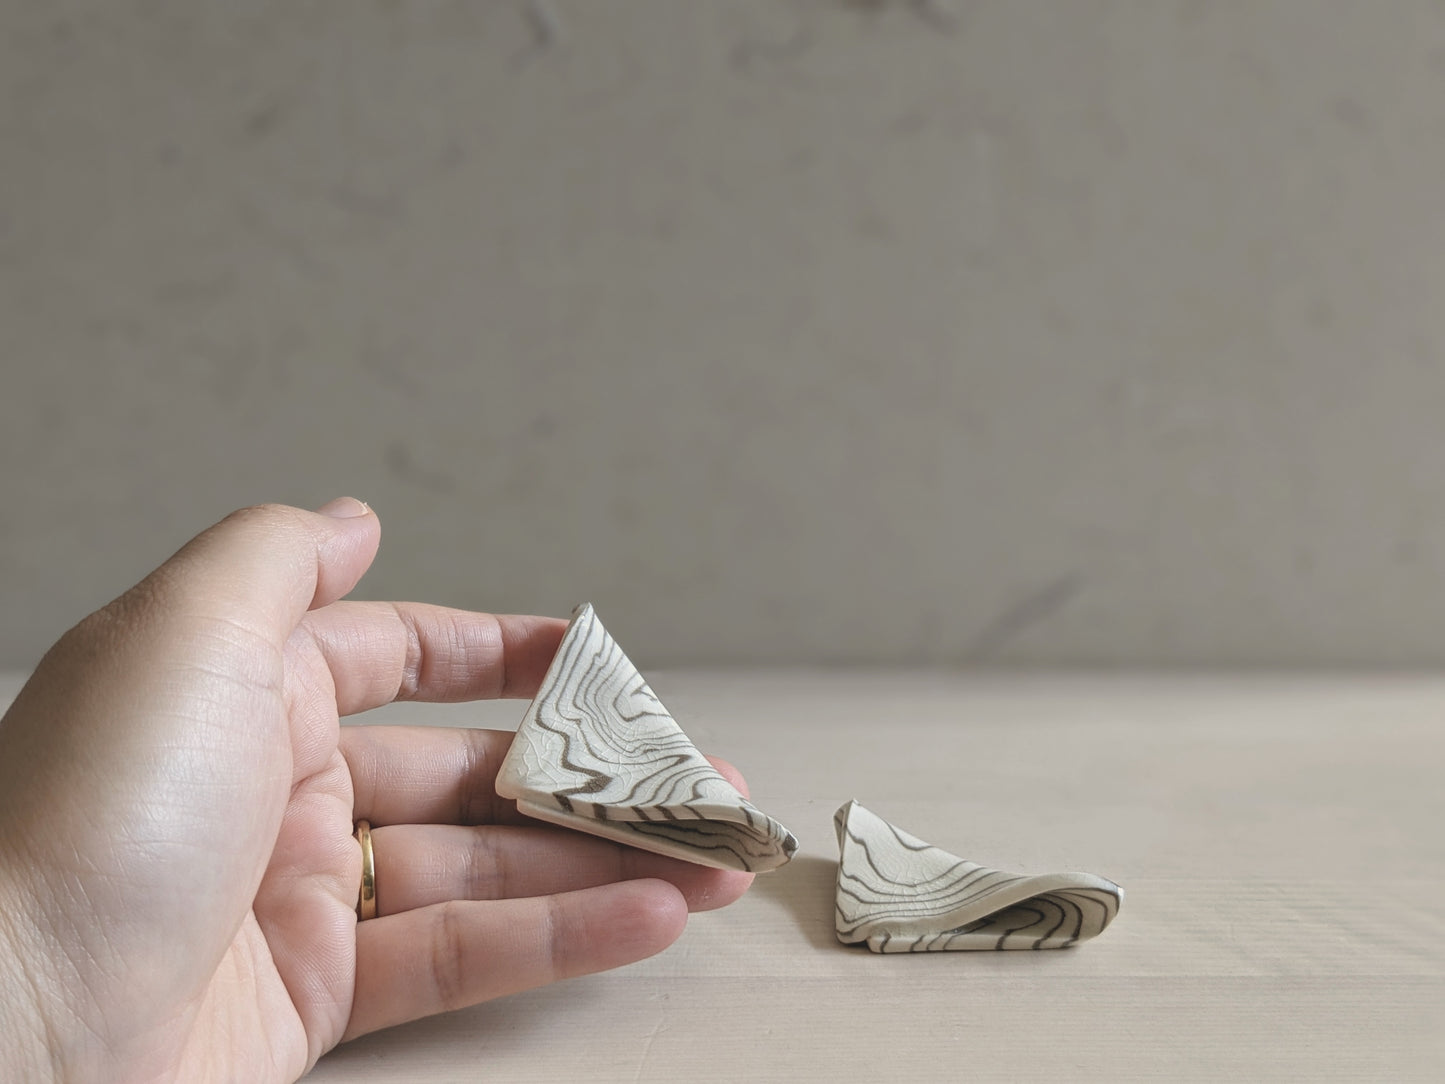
(899, 894)
(597, 751)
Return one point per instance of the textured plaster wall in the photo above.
(1093, 332)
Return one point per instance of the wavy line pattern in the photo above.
(899, 894)
(598, 752)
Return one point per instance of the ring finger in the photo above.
(421, 864)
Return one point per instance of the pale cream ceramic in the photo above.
(899, 894)
(598, 752)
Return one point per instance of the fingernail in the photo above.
(345, 508)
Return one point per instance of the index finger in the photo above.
(378, 652)
(439, 775)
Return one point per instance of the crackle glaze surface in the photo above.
(897, 893)
(598, 752)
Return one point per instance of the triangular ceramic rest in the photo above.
(899, 894)
(598, 752)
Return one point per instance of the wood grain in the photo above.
(1278, 837)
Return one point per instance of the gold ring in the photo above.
(366, 897)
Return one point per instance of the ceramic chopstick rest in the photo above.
(598, 752)
(899, 894)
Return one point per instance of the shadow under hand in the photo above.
(506, 1031)
(806, 887)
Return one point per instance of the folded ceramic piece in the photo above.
(899, 894)
(598, 752)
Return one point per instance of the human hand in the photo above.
(178, 874)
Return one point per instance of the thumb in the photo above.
(263, 567)
(218, 613)
(143, 697)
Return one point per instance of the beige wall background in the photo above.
(1089, 332)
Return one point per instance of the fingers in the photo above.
(455, 954)
(433, 775)
(423, 864)
(381, 651)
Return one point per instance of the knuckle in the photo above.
(265, 513)
(486, 875)
(413, 661)
(477, 801)
(267, 518)
(436, 651)
(555, 944)
(288, 533)
(448, 949)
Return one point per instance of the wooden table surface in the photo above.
(1281, 843)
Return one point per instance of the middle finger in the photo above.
(418, 865)
(438, 775)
